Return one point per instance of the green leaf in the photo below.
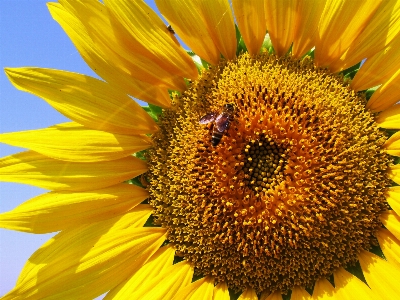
(241, 46)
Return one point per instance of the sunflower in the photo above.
(264, 166)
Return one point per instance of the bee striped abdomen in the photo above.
(216, 137)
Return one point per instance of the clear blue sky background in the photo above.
(28, 37)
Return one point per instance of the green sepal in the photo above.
(310, 53)
(153, 110)
(198, 61)
(351, 72)
(267, 44)
(135, 181)
(240, 45)
(356, 271)
(150, 222)
(287, 296)
(234, 295)
(369, 92)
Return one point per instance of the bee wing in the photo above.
(222, 122)
(207, 118)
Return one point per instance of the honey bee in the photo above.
(221, 122)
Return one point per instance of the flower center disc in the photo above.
(293, 189)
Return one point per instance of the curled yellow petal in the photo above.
(391, 220)
(386, 95)
(101, 64)
(340, 24)
(221, 292)
(381, 276)
(167, 284)
(248, 294)
(281, 20)
(157, 263)
(36, 169)
(200, 289)
(76, 143)
(383, 27)
(250, 17)
(148, 30)
(392, 145)
(87, 261)
(308, 13)
(393, 198)
(57, 211)
(85, 100)
(390, 246)
(349, 287)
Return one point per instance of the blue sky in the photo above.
(28, 37)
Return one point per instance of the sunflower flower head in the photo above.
(264, 167)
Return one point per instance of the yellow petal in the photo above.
(323, 289)
(101, 64)
(187, 21)
(386, 95)
(394, 173)
(308, 13)
(341, 22)
(383, 27)
(57, 211)
(379, 68)
(380, 275)
(390, 246)
(167, 284)
(392, 222)
(221, 292)
(392, 145)
(389, 118)
(274, 296)
(248, 294)
(298, 293)
(281, 20)
(250, 17)
(149, 31)
(98, 22)
(393, 198)
(349, 287)
(86, 100)
(200, 289)
(218, 18)
(35, 169)
(206, 26)
(76, 143)
(159, 261)
(87, 261)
